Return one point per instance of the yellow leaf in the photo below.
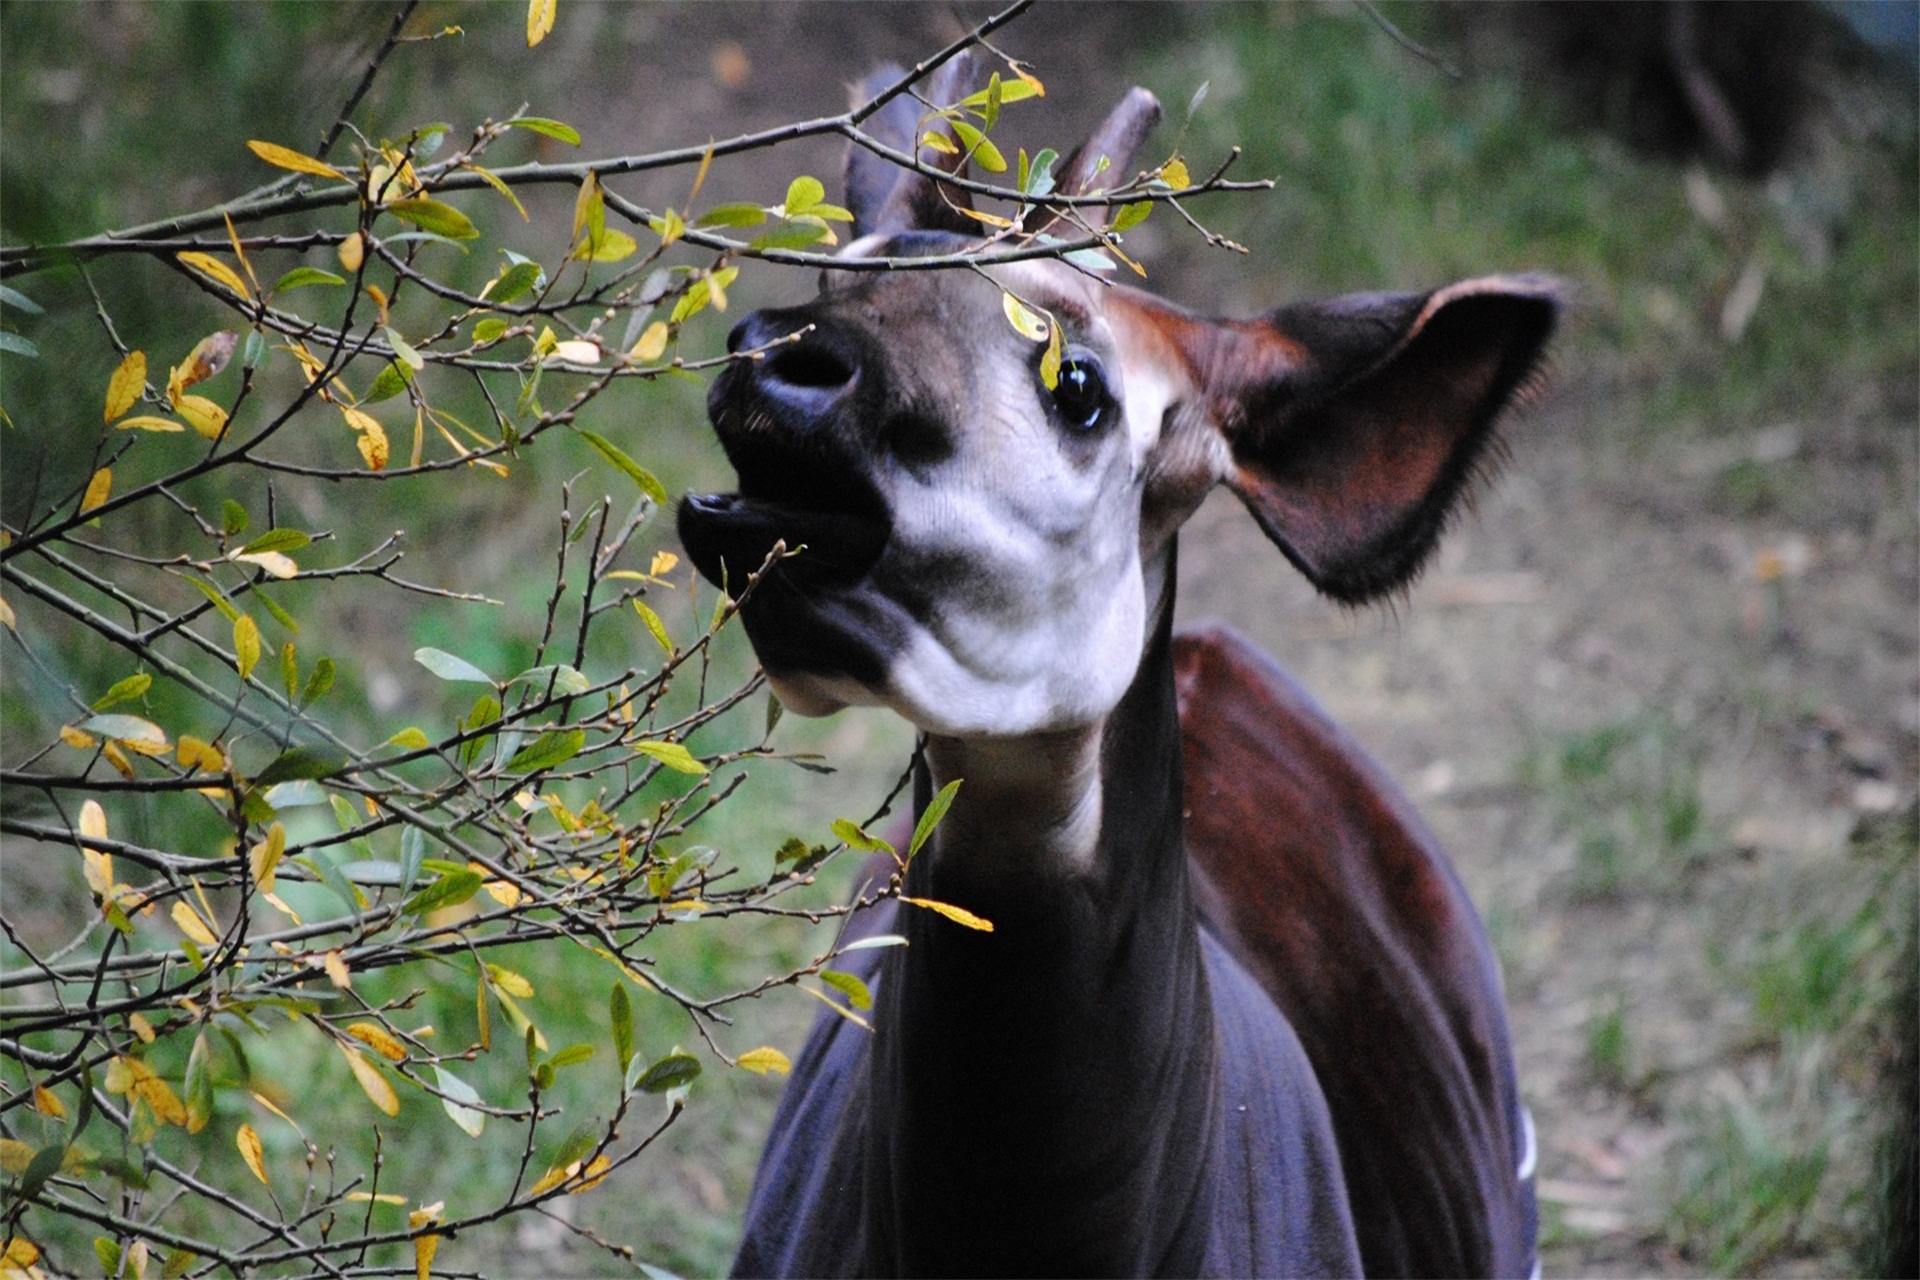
(75, 738)
(510, 982)
(196, 754)
(1174, 173)
(203, 415)
(251, 1151)
(504, 892)
(352, 251)
(425, 1214)
(6, 616)
(288, 158)
(246, 644)
(765, 1059)
(233, 238)
(991, 219)
(382, 1197)
(590, 1177)
(653, 342)
(93, 820)
(96, 490)
(379, 1039)
(208, 357)
(136, 1260)
(189, 922)
(114, 756)
(337, 971)
(264, 857)
(15, 1156)
(372, 1083)
(1022, 318)
(208, 265)
(550, 1179)
(373, 446)
(654, 625)
(540, 14)
(129, 380)
(274, 562)
(148, 422)
(158, 1094)
(275, 901)
(959, 915)
(663, 562)
(48, 1103)
(19, 1254)
(424, 1247)
(141, 1027)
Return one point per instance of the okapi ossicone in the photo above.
(1236, 1015)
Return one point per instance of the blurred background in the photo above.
(1660, 696)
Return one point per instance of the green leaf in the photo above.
(199, 1085)
(403, 350)
(672, 755)
(620, 1010)
(19, 301)
(448, 667)
(803, 193)
(984, 153)
(301, 762)
(413, 852)
(669, 1072)
(460, 1101)
(930, 818)
(18, 345)
(734, 215)
(233, 518)
(450, 890)
(409, 738)
(555, 746)
(550, 128)
(634, 471)
(220, 602)
(570, 1055)
(584, 1138)
(124, 690)
(566, 680)
(513, 282)
(431, 215)
(276, 540)
(298, 794)
(1039, 181)
(300, 277)
(388, 383)
(1132, 215)
(319, 680)
(124, 728)
(855, 990)
(289, 669)
(857, 838)
(791, 235)
(278, 614)
(489, 329)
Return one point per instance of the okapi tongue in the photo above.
(729, 537)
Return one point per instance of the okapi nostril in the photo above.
(809, 366)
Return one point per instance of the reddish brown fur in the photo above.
(1313, 868)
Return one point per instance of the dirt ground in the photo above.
(1728, 621)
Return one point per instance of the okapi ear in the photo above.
(1355, 424)
(882, 196)
(1117, 140)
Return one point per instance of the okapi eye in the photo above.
(1080, 395)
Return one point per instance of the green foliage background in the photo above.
(1391, 175)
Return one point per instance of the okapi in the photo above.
(1236, 1015)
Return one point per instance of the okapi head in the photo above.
(985, 554)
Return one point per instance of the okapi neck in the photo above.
(1041, 1093)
